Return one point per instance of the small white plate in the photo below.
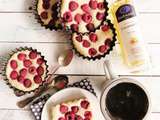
(71, 94)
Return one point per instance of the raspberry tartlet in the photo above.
(95, 45)
(25, 70)
(47, 15)
(73, 110)
(83, 15)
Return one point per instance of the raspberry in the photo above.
(27, 83)
(79, 38)
(23, 72)
(87, 18)
(93, 37)
(70, 116)
(93, 4)
(108, 41)
(46, 5)
(73, 6)
(92, 52)
(86, 44)
(84, 104)
(37, 79)
(61, 118)
(85, 8)
(105, 28)
(63, 109)
(78, 117)
(100, 16)
(67, 16)
(21, 79)
(40, 61)
(13, 64)
(40, 70)
(33, 54)
(27, 63)
(75, 109)
(44, 15)
(14, 75)
(21, 56)
(78, 18)
(32, 69)
(90, 27)
(102, 48)
(100, 5)
(74, 27)
(88, 114)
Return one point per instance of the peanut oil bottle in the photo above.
(132, 45)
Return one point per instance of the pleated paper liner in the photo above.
(98, 57)
(53, 22)
(4, 61)
(70, 30)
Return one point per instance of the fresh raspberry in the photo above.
(87, 18)
(27, 83)
(79, 38)
(13, 64)
(102, 48)
(101, 5)
(40, 61)
(100, 16)
(61, 118)
(27, 63)
(73, 6)
(33, 54)
(78, 18)
(88, 114)
(37, 79)
(74, 27)
(46, 1)
(46, 5)
(14, 75)
(21, 56)
(23, 72)
(67, 16)
(105, 28)
(86, 44)
(78, 117)
(32, 70)
(75, 109)
(90, 27)
(70, 116)
(84, 104)
(63, 109)
(92, 52)
(40, 70)
(93, 4)
(20, 79)
(44, 15)
(85, 8)
(87, 119)
(108, 41)
(93, 37)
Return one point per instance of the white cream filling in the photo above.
(29, 76)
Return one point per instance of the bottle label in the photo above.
(125, 12)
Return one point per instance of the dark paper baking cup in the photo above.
(54, 26)
(4, 63)
(112, 44)
(70, 30)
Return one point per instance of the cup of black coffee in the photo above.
(124, 99)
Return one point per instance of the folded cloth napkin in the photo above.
(37, 106)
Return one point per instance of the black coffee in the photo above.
(127, 101)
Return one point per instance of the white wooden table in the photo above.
(19, 28)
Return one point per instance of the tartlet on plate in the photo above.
(25, 70)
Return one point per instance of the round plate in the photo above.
(70, 94)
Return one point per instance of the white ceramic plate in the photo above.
(71, 94)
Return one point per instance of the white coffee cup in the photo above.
(112, 81)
